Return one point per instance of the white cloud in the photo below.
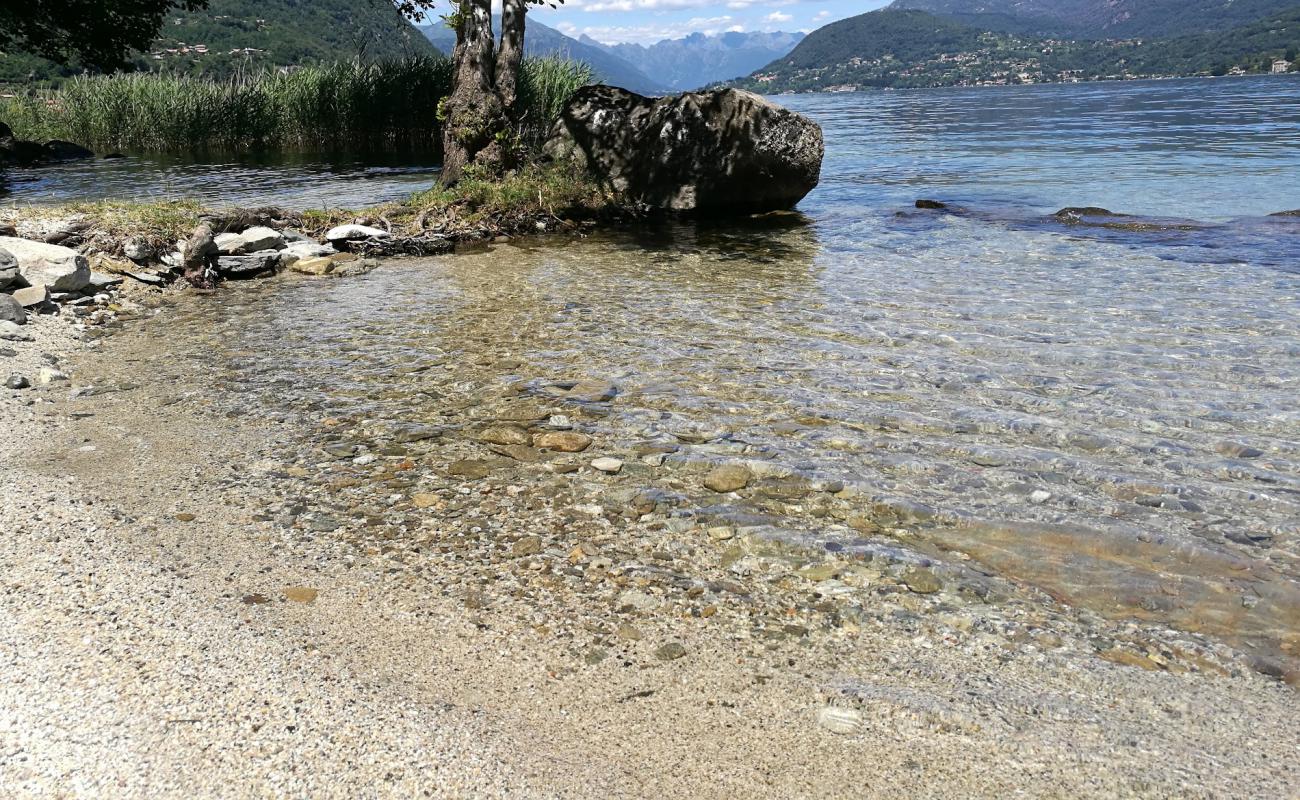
(777, 17)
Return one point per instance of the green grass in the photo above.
(345, 106)
(511, 204)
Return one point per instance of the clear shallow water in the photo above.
(1108, 415)
(296, 182)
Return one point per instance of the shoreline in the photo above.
(161, 601)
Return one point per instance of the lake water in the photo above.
(1106, 414)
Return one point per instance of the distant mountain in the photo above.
(541, 40)
(1102, 19)
(903, 48)
(234, 35)
(698, 60)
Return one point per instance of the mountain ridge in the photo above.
(543, 40)
(1101, 19)
(905, 48)
(697, 60)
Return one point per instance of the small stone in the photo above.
(318, 265)
(415, 433)
(255, 600)
(505, 434)
(185, 517)
(922, 580)
(11, 332)
(562, 441)
(1238, 450)
(17, 382)
(670, 652)
(323, 524)
(842, 721)
(474, 470)
(423, 500)
(607, 465)
(1040, 496)
(629, 633)
(721, 533)
(588, 391)
(518, 452)
(300, 594)
(527, 546)
(49, 375)
(728, 478)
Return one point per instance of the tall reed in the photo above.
(344, 106)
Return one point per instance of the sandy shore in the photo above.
(158, 638)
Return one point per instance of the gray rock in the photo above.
(608, 465)
(714, 152)
(309, 249)
(10, 332)
(12, 311)
(59, 150)
(101, 280)
(62, 269)
(253, 240)
(250, 264)
(138, 250)
(728, 478)
(17, 382)
(8, 268)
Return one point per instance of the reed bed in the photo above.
(345, 106)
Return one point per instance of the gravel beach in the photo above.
(164, 634)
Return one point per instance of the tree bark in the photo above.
(473, 114)
(511, 55)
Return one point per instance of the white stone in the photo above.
(844, 721)
(49, 375)
(347, 233)
(62, 269)
(253, 240)
(610, 465)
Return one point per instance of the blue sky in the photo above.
(648, 21)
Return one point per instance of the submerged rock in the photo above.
(716, 152)
(59, 150)
(62, 269)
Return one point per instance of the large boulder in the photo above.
(62, 269)
(714, 152)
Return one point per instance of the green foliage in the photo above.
(345, 106)
(98, 32)
(242, 37)
(904, 49)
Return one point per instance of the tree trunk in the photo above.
(473, 114)
(511, 55)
